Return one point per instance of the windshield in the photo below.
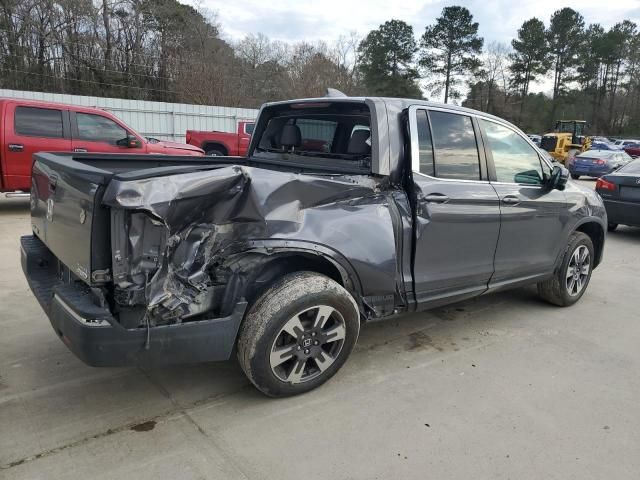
(329, 137)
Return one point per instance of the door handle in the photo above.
(510, 200)
(16, 147)
(80, 150)
(436, 198)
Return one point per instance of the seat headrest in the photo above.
(358, 143)
(290, 136)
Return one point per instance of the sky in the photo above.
(310, 20)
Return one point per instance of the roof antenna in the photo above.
(333, 92)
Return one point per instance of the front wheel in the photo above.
(297, 334)
(574, 176)
(612, 226)
(571, 279)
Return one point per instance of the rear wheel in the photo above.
(571, 279)
(612, 226)
(297, 334)
(214, 152)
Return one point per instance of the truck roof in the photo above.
(44, 103)
(400, 103)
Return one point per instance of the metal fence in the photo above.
(167, 121)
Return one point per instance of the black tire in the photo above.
(555, 290)
(574, 176)
(298, 296)
(214, 152)
(612, 226)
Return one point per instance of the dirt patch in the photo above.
(421, 341)
(144, 426)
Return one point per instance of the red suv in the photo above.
(27, 127)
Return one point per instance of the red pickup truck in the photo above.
(28, 127)
(223, 143)
(633, 150)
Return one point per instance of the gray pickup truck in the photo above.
(345, 210)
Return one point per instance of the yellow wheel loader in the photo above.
(567, 140)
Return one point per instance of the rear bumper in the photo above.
(624, 213)
(94, 335)
(588, 172)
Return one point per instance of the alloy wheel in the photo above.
(308, 344)
(578, 270)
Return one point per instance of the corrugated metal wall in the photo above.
(167, 121)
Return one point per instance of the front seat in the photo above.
(359, 143)
(290, 137)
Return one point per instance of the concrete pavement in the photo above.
(500, 387)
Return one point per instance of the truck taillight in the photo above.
(603, 184)
(188, 137)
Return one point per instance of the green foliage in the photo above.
(386, 60)
(530, 57)
(564, 36)
(450, 50)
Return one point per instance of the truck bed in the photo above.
(67, 192)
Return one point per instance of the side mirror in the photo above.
(559, 178)
(130, 141)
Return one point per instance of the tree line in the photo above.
(159, 50)
(167, 51)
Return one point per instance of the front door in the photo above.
(533, 216)
(457, 211)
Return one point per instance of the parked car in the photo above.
(29, 126)
(600, 139)
(595, 163)
(633, 149)
(623, 142)
(339, 215)
(535, 138)
(620, 191)
(223, 143)
(603, 146)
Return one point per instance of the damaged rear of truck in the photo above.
(155, 260)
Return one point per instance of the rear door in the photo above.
(28, 130)
(93, 132)
(533, 216)
(456, 209)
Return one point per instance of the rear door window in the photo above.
(38, 122)
(454, 146)
(97, 128)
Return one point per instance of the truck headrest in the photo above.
(290, 136)
(359, 142)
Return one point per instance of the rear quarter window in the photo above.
(38, 122)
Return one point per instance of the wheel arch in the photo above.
(595, 230)
(209, 145)
(263, 262)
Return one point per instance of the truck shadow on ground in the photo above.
(14, 205)
(440, 331)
